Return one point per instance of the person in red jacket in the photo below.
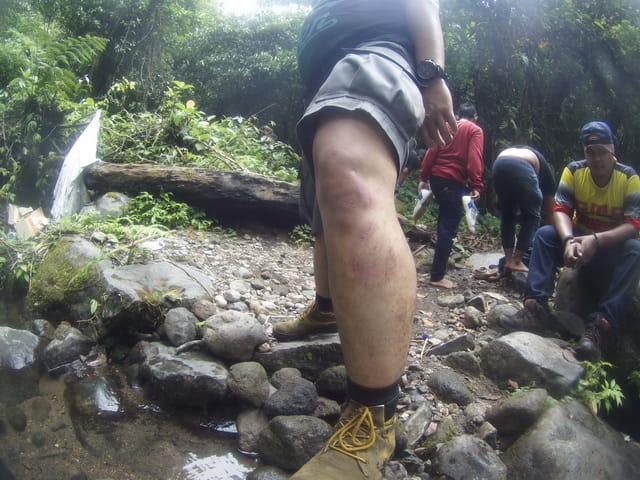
(448, 171)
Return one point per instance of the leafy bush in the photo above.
(178, 134)
(596, 390)
(145, 209)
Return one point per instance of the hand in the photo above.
(580, 250)
(572, 253)
(439, 123)
(475, 195)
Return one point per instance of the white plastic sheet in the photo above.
(70, 193)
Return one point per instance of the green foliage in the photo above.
(179, 134)
(301, 235)
(596, 389)
(488, 224)
(146, 209)
(33, 109)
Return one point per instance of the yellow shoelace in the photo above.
(355, 435)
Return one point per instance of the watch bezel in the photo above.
(435, 71)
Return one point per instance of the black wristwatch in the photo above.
(428, 70)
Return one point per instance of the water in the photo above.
(107, 428)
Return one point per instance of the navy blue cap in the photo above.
(596, 133)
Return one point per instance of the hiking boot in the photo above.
(358, 449)
(532, 318)
(594, 339)
(310, 321)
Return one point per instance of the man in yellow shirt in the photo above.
(595, 228)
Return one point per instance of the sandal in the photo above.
(489, 274)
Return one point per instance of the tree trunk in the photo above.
(228, 196)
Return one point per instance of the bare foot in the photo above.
(444, 283)
(516, 267)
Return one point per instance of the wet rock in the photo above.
(289, 442)
(469, 457)
(190, 379)
(233, 335)
(530, 359)
(575, 445)
(249, 383)
(268, 473)
(92, 396)
(332, 383)
(395, 470)
(39, 439)
(311, 356)
(327, 409)
(69, 343)
(479, 302)
(250, 423)
(130, 291)
(43, 328)
(295, 397)
(451, 301)
(19, 365)
(180, 326)
(449, 386)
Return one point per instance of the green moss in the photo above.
(59, 281)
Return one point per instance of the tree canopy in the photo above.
(536, 70)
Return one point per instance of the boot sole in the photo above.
(288, 337)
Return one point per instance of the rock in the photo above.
(180, 326)
(332, 383)
(295, 397)
(289, 442)
(233, 335)
(92, 396)
(68, 344)
(575, 445)
(461, 343)
(191, 379)
(466, 457)
(249, 383)
(449, 386)
(530, 359)
(517, 413)
(250, 423)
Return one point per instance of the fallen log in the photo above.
(228, 196)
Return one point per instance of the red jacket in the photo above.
(460, 159)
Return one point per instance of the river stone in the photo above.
(189, 379)
(574, 445)
(69, 343)
(92, 396)
(295, 397)
(180, 326)
(466, 457)
(19, 366)
(289, 442)
(528, 358)
(233, 335)
(248, 382)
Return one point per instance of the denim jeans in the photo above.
(618, 266)
(516, 185)
(448, 194)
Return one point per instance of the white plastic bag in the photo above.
(422, 200)
(470, 212)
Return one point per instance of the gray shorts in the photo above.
(377, 80)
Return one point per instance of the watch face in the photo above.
(427, 70)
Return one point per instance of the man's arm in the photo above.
(426, 32)
(475, 164)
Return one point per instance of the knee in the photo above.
(631, 247)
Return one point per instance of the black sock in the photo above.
(324, 304)
(387, 396)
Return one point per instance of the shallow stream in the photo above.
(99, 423)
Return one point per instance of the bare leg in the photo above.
(321, 275)
(444, 283)
(371, 271)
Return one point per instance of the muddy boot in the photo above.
(358, 449)
(594, 340)
(310, 321)
(534, 317)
